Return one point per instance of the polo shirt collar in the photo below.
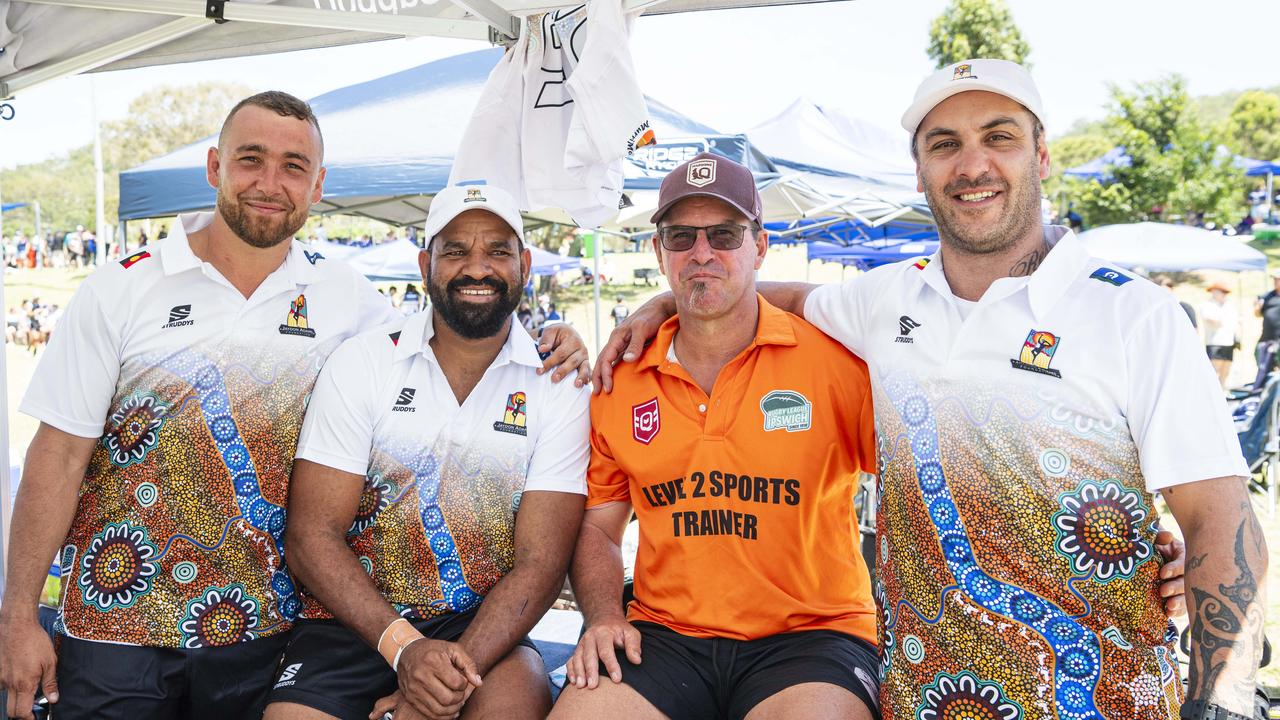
(175, 250)
(773, 327)
(176, 255)
(1067, 256)
(418, 330)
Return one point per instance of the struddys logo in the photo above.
(645, 422)
(1037, 352)
(963, 71)
(786, 410)
(296, 322)
(701, 173)
(514, 416)
(474, 195)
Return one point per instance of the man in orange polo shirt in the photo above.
(737, 438)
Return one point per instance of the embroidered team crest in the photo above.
(786, 410)
(645, 422)
(473, 195)
(134, 258)
(701, 173)
(964, 71)
(513, 418)
(1113, 277)
(296, 323)
(1037, 353)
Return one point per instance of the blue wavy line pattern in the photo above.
(1076, 650)
(215, 404)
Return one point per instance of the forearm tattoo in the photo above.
(1227, 628)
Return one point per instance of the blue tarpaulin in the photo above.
(389, 143)
(871, 254)
(11, 206)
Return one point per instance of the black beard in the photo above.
(259, 235)
(470, 321)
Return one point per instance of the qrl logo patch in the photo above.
(701, 173)
(645, 422)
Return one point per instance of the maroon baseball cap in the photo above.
(710, 175)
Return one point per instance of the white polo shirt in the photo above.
(197, 396)
(1020, 439)
(436, 524)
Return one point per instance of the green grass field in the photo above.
(575, 302)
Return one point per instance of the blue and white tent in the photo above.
(389, 145)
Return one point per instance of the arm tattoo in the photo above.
(1196, 562)
(1227, 630)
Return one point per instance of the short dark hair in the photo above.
(1037, 129)
(282, 104)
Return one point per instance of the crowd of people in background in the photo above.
(31, 324)
(77, 248)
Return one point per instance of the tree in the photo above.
(976, 29)
(1253, 128)
(1177, 169)
(159, 121)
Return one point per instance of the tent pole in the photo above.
(595, 285)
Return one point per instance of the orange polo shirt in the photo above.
(745, 498)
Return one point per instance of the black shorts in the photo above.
(1221, 352)
(329, 668)
(697, 678)
(105, 680)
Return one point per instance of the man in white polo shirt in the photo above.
(437, 494)
(170, 401)
(1030, 399)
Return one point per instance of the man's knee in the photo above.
(516, 688)
(608, 699)
(811, 701)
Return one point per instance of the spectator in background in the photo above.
(1220, 327)
(394, 295)
(75, 246)
(1268, 308)
(619, 312)
(553, 315)
(525, 316)
(1168, 284)
(90, 248)
(412, 302)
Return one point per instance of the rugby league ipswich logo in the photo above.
(645, 422)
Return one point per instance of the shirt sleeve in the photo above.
(837, 310)
(559, 459)
(337, 430)
(606, 482)
(76, 379)
(1175, 406)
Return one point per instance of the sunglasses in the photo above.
(678, 238)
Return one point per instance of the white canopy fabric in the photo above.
(1161, 247)
(398, 260)
(43, 40)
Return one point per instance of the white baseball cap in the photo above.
(454, 200)
(998, 76)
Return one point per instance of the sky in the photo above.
(733, 69)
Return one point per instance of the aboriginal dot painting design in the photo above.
(1017, 575)
(435, 527)
(178, 538)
